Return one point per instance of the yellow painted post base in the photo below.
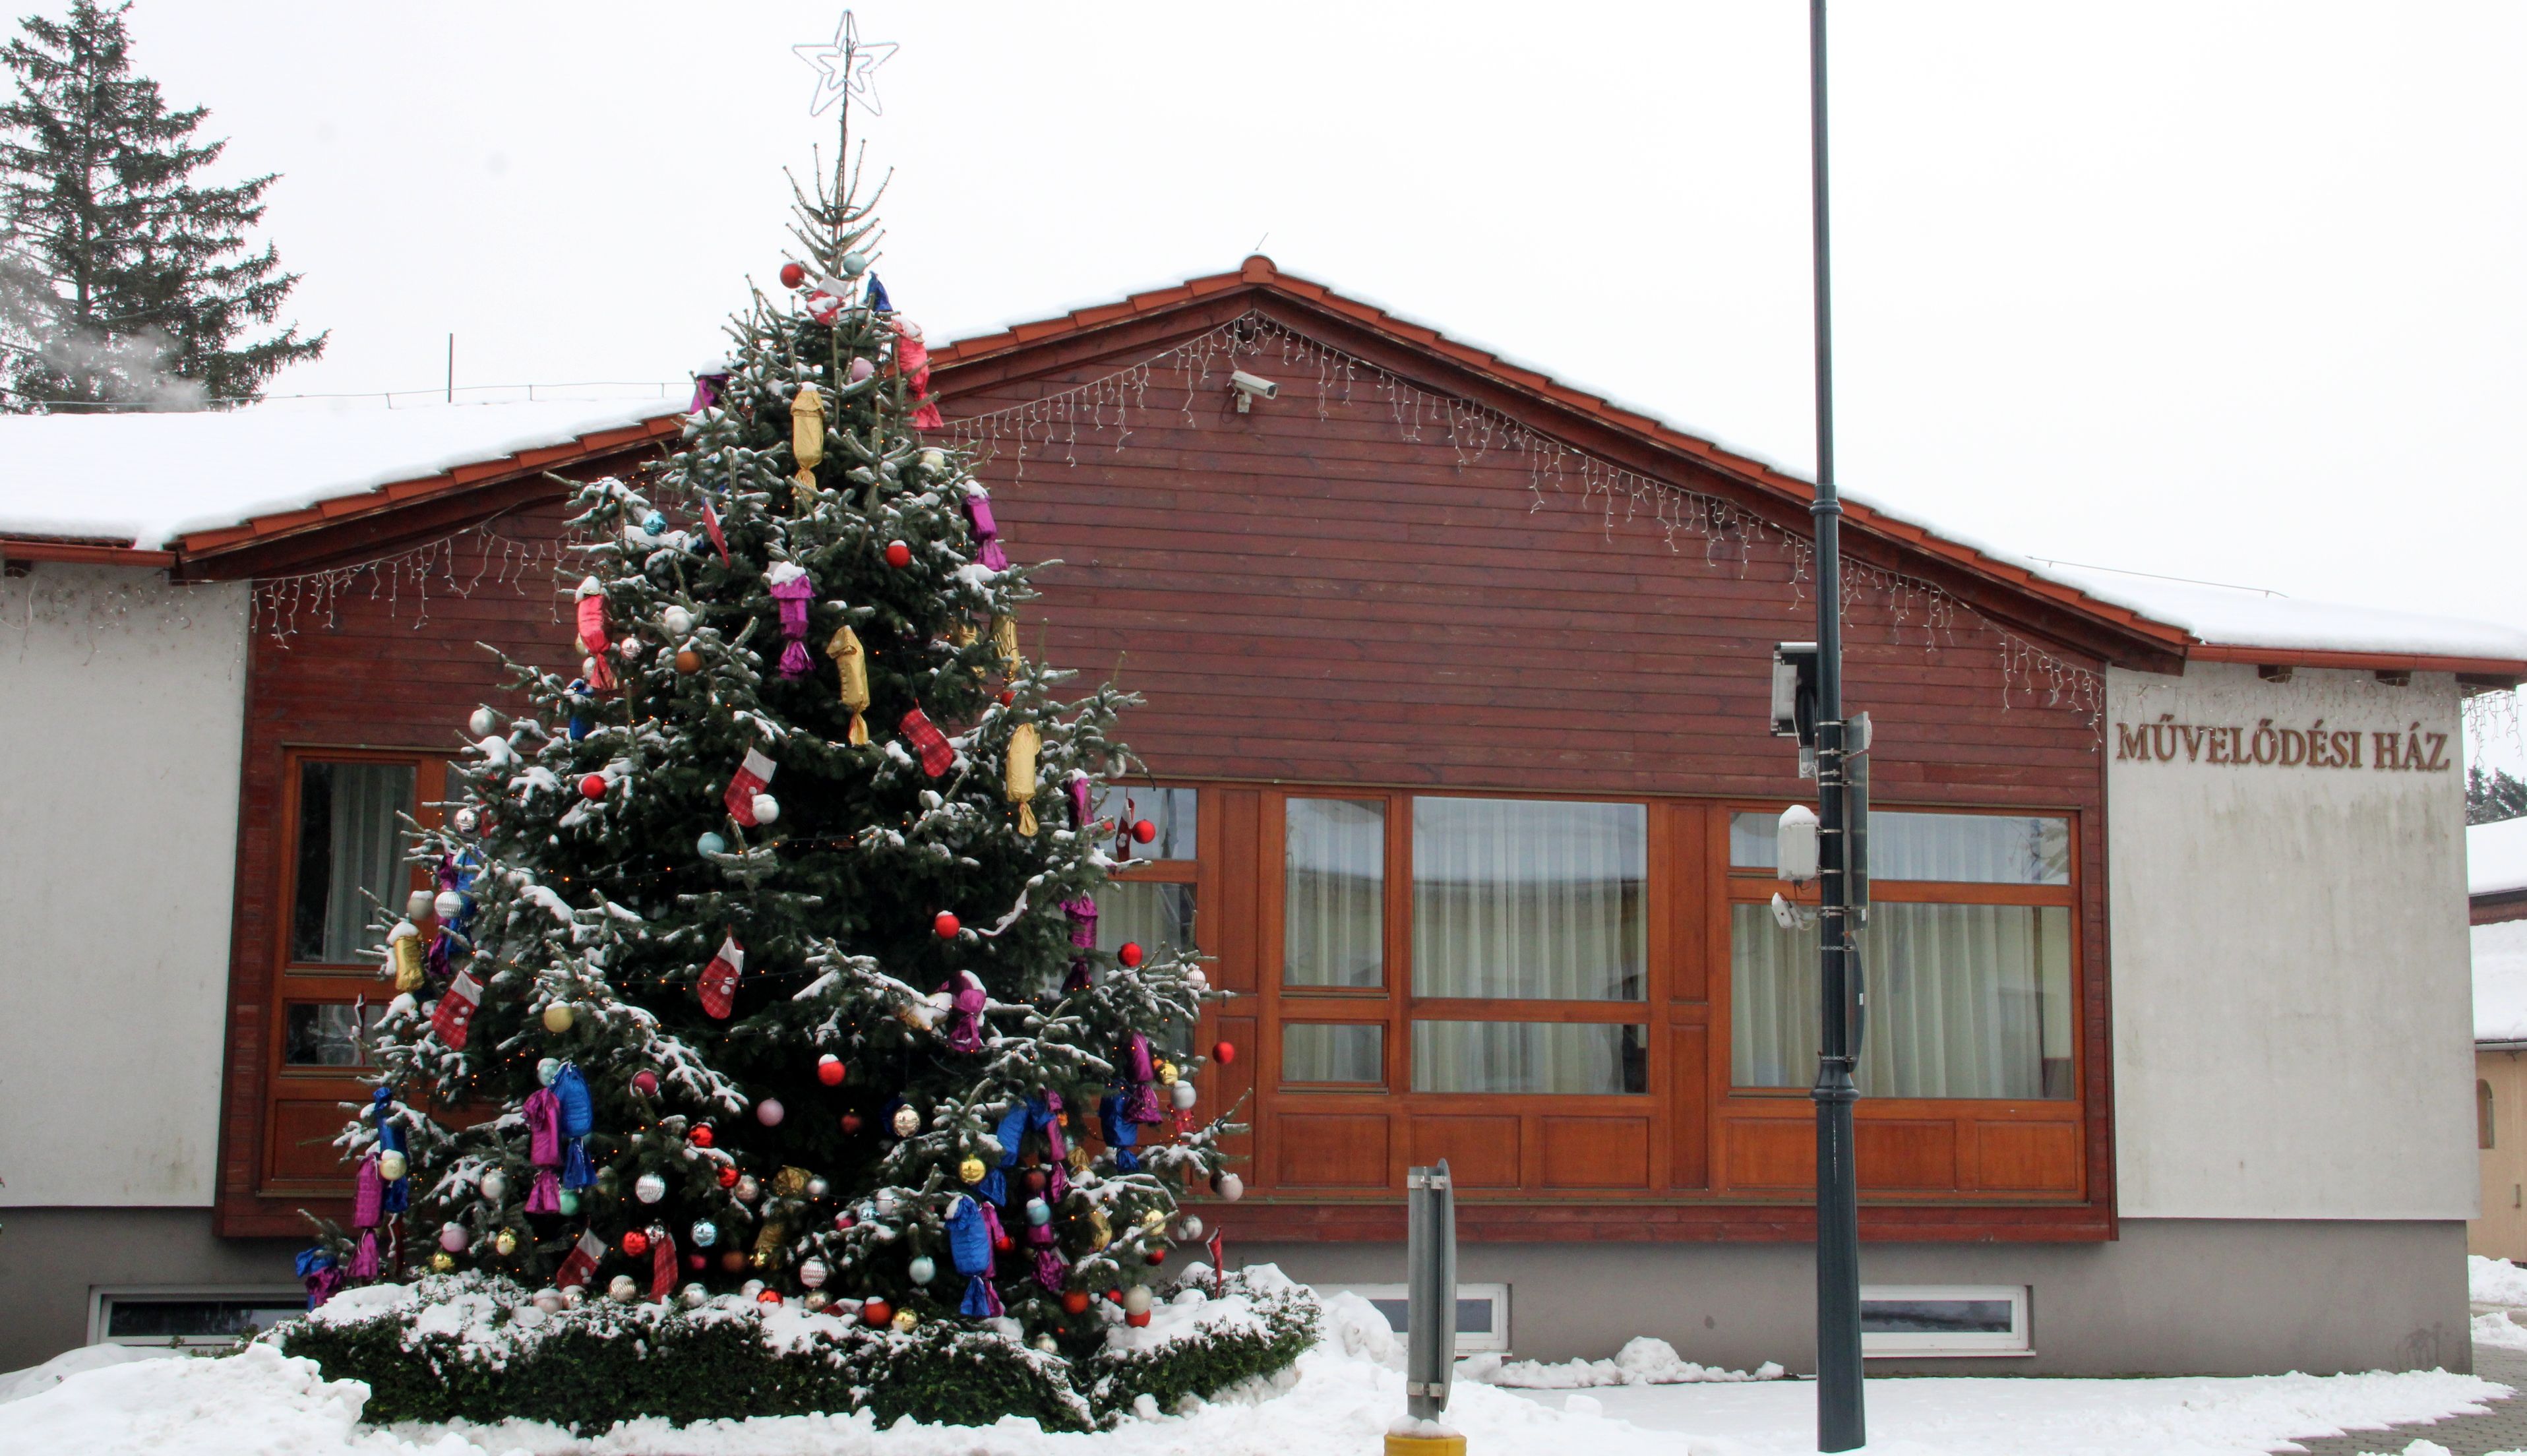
(1425, 1445)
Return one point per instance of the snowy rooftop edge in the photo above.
(431, 440)
(2495, 857)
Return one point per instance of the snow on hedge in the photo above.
(1642, 1361)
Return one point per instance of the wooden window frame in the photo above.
(290, 1091)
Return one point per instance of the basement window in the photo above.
(1944, 1320)
(184, 1316)
(1483, 1312)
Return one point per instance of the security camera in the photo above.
(1251, 387)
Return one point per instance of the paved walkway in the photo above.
(2502, 1428)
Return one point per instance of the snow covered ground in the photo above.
(1340, 1399)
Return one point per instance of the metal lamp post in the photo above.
(1840, 1422)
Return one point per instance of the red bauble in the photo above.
(1138, 1321)
(592, 786)
(1114, 1296)
(945, 927)
(1074, 1302)
(877, 1313)
(1143, 831)
(734, 1261)
(1036, 1182)
(898, 554)
(1224, 1052)
(1008, 696)
(768, 1296)
(850, 1123)
(695, 1262)
(645, 1084)
(830, 1070)
(635, 1244)
(792, 275)
(702, 1136)
(1003, 1245)
(1130, 954)
(1158, 1254)
(728, 1177)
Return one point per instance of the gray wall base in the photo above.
(52, 1258)
(2171, 1296)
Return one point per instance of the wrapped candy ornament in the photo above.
(592, 632)
(844, 647)
(1004, 644)
(986, 531)
(808, 439)
(403, 952)
(1019, 777)
(793, 590)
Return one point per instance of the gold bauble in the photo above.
(557, 1018)
(905, 1320)
(1166, 1072)
(443, 1261)
(506, 1244)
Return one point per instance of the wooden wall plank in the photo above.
(1332, 1150)
(1594, 1151)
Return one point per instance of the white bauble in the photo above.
(692, 1296)
(817, 1187)
(676, 620)
(648, 1188)
(630, 647)
(705, 1234)
(392, 1165)
(751, 1288)
(921, 1271)
(906, 1121)
(1181, 1093)
(572, 1297)
(587, 669)
(1046, 1344)
(467, 821)
(549, 1301)
(812, 1272)
(1188, 1230)
(748, 1189)
(621, 1290)
(1196, 979)
(816, 1301)
(1136, 1300)
(885, 1203)
(1229, 1186)
(767, 809)
(484, 722)
(547, 1070)
(415, 906)
(448, 903)
(934, 459)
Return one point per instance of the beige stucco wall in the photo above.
(2293, 1019)
(122, 702)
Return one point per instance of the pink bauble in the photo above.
(645, 1084)
(451, 1237)
(768, 1112)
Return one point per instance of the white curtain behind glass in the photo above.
(1534, 1057)
(1528, 898)
(1335, 893)
(1964, 1000)
(367, 844)
(1967, 849)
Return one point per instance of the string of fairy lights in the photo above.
(1052, 425)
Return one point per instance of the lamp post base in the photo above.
(1425, 1445)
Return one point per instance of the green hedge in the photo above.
(474, 1348)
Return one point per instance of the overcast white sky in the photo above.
(2224, 290)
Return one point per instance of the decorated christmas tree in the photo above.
(762, 957)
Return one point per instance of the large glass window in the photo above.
(1963, 1001)
(1333, 924)
(350, 857)
(1352, 1053)
(1530, 898)
(1530, 1056)
(1960, 848)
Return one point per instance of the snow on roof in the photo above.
(2495, 857)
(2501, 981)
(151, 478)
(2241, 616)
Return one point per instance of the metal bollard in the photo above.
(1430, 1341)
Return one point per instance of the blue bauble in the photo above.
(569, 1202)
(705, 1234)
(1039, 1212)
(654, 523)
(711, 843)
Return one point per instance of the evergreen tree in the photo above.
(763, 948)
(120, 279)
(2492, 796)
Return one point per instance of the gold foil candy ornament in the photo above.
(844, 647)
(405, 941)
(789, 1182)
(807, 439)
(1004, 641)
(1025, 742)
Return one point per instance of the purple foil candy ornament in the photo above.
(542, 1114)
(965, 1022)
(706, 388)
(978, 509)
(1078, 789)
(1083, 921)
(792, 588)
(546, 1196)
(368, 1194)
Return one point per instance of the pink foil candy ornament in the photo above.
(792, 591)
(987, 530)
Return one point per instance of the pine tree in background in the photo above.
(762, 954)
(2490, 797)
(123, 283)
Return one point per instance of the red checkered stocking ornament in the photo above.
(753, 776)
(937, 757)
(453, 1020)
(718, 984)
(581, 1263)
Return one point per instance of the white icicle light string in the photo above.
(2029, 674)
(279, 602)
